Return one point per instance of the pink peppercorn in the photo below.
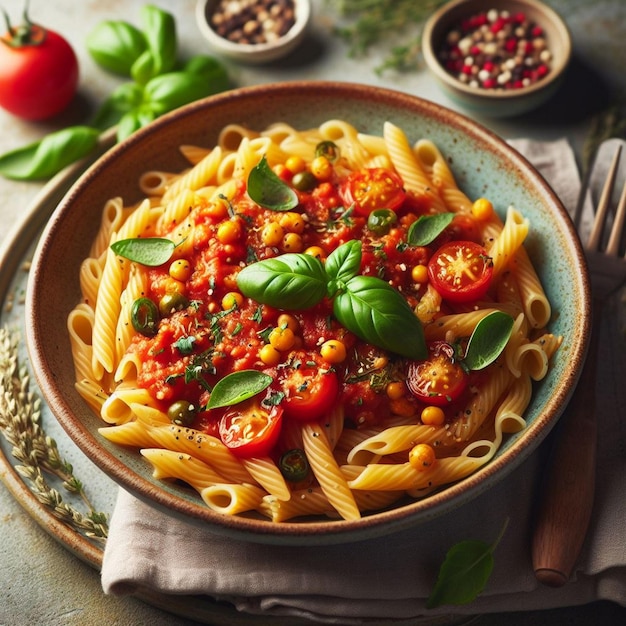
(496, 50)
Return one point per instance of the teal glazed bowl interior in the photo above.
(483, 164)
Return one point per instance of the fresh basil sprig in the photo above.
(427, 228)
(365, 305)
(159, 85)
(268, 190)
(150, 251)
(464, 572)
(237, 387)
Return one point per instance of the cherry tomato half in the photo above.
(38, 72)
(439, 379)
(372, 188)
(461, 271)
(250, 430)
(309, 392)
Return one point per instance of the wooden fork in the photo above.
(567, 500)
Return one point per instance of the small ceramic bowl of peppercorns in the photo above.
(498, 58)
(253, 31)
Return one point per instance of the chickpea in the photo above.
(433, 416)
(422, 457)
(419, 274)
(317, 252)
(482, 209)
(282, 339)
(288, 321)
(333, 351)
(292, 222)
(395, 390)
(292, 242)
(229, 232)
(269, 355)
(321, 168)
(232, 300)
(272, 234)
(180, 270)
(295, 164)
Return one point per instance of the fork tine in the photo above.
(618, 225)
(603, 205)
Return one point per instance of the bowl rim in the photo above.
(325, 532)
(430, 54)
(303, 15)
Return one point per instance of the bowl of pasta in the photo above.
(309, 312)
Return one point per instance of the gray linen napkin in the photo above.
(390, 578)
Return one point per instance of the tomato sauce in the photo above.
(209, 338)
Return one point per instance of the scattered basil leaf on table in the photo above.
(464, 572)
(488, 340)
(290, 281)
(237, 387)
(374, 311)
(43, 159)
(150, 251)
(427, 228)
(169, 91)
(124, 99)
(115, 45)
(268, 190)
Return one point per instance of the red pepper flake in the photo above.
(503, 50)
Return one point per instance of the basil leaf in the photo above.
(427, 228)
(151, 251)
(211, 70)
(43, 159)
(268, 190)
(463, 574)
(291, 281)
(124, 99)
(344, 262)
(169, 91)
(132, 121)
(237, 387)
(115, 45)
(488, 340)
(378, 314)
(159, 30)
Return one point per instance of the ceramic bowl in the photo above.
(497, 102)
(258, 53)
(483, 164)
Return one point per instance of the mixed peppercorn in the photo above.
(497, 50)
(253, 21)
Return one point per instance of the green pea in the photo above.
(380, 221)
(294, 465)
(181, 413)
(171, 302)
(304, 181)
(144, 317)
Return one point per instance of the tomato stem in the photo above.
(26, 34)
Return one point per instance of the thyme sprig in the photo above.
(37, 453)
(366, 23)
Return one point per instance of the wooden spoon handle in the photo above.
(568, 491)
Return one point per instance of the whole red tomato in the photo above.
(38, 72)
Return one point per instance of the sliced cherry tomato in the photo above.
(309, 392)
(372, 188)
(38, 72)
(461, 271)
(250, 430)
(439, 379)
